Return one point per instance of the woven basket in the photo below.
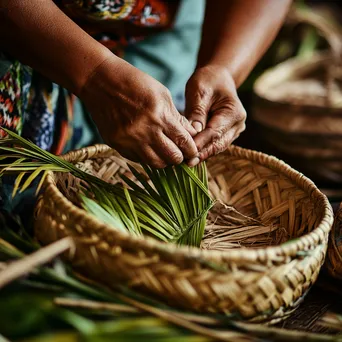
(334, 260)
(298, 107)
(241, 275)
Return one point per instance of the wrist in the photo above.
(217, 69)
(231, 66)
(81, 77)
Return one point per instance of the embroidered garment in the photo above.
(53, 118)
(97, 16)
(38, 109)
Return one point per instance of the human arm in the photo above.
(134, 112)
(235, 35)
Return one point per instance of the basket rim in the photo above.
(317, 236)
(260, 89)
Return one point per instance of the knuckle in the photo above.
(183, 120)
(197, 87)
(219, 146)
(238, 111)
(155, 118)
(182, 140)
(202, 91)
(149, 101)
(198, 110)
(215, 134)
(175, 157)
(206, 153)
(242, 114)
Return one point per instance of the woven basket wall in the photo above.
(334, 260)
(247, 278)
(298, 108)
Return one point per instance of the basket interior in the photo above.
(257, 206)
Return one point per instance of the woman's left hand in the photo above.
(214, 109)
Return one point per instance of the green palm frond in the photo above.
(172, 206)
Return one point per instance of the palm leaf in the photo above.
(95, 209)
(173, 208)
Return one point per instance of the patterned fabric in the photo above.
(94, 16)
(40, 110)
(138, 12)
(14, 88)
(45, 113)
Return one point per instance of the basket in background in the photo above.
(298, 107)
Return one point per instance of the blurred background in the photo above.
(294, 96)
(294, 103)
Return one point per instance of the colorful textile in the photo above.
(138, 12)
(36, 108)
(96, 16)
(13, 96)
(53, 118)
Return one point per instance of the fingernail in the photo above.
(198, 126)
(194, 161)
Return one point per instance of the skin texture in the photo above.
(134, 112)
(235, 35)
(144, 123)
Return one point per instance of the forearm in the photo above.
(236, 33)
(39, 34)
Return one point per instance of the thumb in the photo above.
(198, 103)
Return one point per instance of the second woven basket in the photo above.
(298, 108)
(258, 267)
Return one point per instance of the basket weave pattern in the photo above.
(260, 283)
(334, 262)
(298, 106)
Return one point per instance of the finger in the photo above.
(183, 140)
(150, 157)
(128, 154)
(168, 151)
(214, 131)
(220, 123)
(198, 103)
(186, 124)
(222, 144)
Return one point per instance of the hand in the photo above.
(214, 109)
(135, 115)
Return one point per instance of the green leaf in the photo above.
(17, 183)
(100, 213)
(175, 205)
(195, 179)
(132, 210)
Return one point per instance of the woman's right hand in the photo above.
(135, 115)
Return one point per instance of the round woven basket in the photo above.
(268, 259)
(298, 108)
(334, 260)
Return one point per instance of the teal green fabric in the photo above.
(171, 56)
